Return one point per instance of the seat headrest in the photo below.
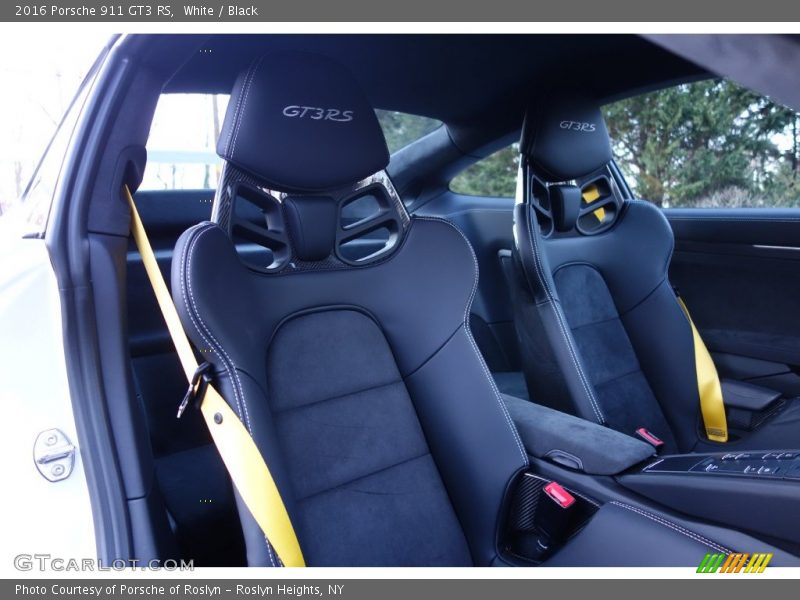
(565, 202)
(299, 122)
(565, 138)
(312, 223)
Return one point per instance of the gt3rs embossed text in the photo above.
(318, 114)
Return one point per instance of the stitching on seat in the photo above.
(378, 471)
(202, 328)
(600, 322)
(248, 85)
(194, 315)
(236, 112)
(231, 367)
(560, 319)
(614, 378)
(371, 388)
(674, 526)
(665, 268)
(482, 362)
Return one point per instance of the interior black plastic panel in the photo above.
(127, 422)
(739, 272)
(168, 213)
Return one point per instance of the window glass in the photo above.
(181, 149)
(400, 129)
(708, 144)
(38, 195)
(38, 120)
(494, 176)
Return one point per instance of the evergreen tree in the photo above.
(495, 175)
(709, 143)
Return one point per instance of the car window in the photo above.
(38, 194)
(494, 176)
(708, 144)
(42, 116)
(181, 149)
(400, 129)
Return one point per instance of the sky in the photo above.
(40, 74)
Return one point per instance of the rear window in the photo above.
(401, 129)
(494, 176)
(181, 150)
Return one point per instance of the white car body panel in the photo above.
(38, 516)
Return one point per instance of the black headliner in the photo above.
(458, 79)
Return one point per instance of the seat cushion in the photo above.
(358, 460)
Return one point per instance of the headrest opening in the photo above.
(371, 222)
(568, 209)
(565, 139)
(600, 206)
(300, 123)
(275, 231)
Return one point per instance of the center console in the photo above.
(755, 490)
(773, 464)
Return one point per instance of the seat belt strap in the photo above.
(239, 452)
(709, 388)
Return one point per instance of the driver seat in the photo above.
(357, 376)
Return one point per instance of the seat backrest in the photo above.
(601, 332)
(358, 378)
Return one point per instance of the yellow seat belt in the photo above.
(239, 452)
(712, 406)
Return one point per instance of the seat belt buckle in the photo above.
(197, 387)
(650, 438)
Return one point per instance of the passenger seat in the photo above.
(601, 332)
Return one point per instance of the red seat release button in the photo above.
(561, 496)
(649, 437)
